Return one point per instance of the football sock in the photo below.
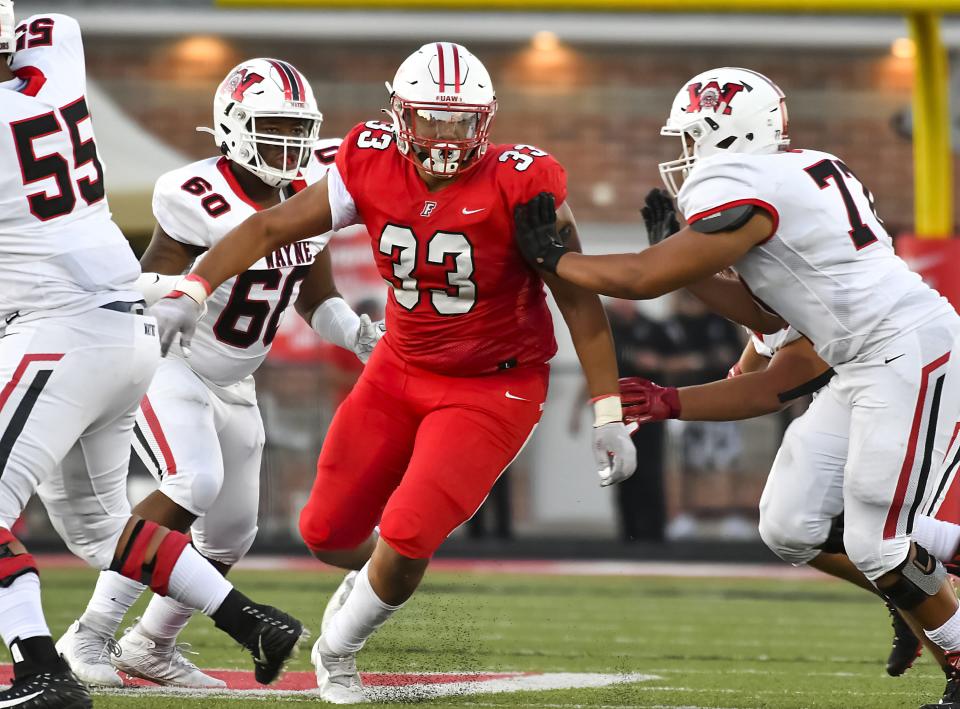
(21, 614)
(34, 655)
(359, 617)
(937, 537)
(947, 636)
(196, 583)
(112, 598)
(164, 619)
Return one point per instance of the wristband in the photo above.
(194, 286)
(606, 409)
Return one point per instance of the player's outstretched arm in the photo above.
(321, 305)
(685, 258)
(304, 215)
(729, 298)
(795, 370)
(585, 318)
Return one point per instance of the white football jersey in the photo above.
(198, 204)
(829, 269)
(768, 345)
(60, 252)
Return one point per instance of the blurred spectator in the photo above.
(643, 350)
(705, 346)
(496, 510)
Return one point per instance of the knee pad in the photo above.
(917, 580)
(13, 565)
(228, 550)
(405, 532)
(791, 543)
(320, 533)
(154, 572)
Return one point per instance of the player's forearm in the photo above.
(729, 298)
(237, 251)
(616, 275)
(742, 397)
(593, 342)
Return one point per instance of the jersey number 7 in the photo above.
(826, 170)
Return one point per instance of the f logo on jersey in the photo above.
(712, 97)
(428, 208)
(239, 83)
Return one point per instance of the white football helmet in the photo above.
(8, 24)
(442, 104)
(730, 109)
(260, 89)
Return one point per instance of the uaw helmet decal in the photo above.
(712, 97)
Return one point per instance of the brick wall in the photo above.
(598, 109)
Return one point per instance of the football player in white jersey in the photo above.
(199, 429)
(76, 356)
(802, 503)
(801, 231)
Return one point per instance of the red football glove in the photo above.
(643, 401)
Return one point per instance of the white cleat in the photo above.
(88, 655)
(161, 663)
(337, 600)
(337, 675)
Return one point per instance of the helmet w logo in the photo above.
(712, 97)
(241, 82)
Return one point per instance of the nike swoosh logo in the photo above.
(472, 211)
(21, 700)
(888, 361)
(259, 660)
(518, 398)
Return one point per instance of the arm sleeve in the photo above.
(720, 183)
(177, 215)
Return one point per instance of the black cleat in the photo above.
(273, 641)
(951, 693)
(906, 646)
(47, 690)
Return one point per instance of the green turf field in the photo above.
(712, 643)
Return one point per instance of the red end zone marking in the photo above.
(300, 681)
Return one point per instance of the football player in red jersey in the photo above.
(457, 386)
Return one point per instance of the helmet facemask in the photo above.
(275, 146)
(444, 139)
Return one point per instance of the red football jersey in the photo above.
(463, 301)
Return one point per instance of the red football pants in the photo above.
(417, 452)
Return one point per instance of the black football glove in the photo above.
(659, 216)
(536, 232)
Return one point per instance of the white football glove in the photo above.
(178, 313)
(368, 335)
(613, 448)
(614, 452)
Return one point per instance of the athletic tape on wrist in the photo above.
(194, 286)
(606, 409)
